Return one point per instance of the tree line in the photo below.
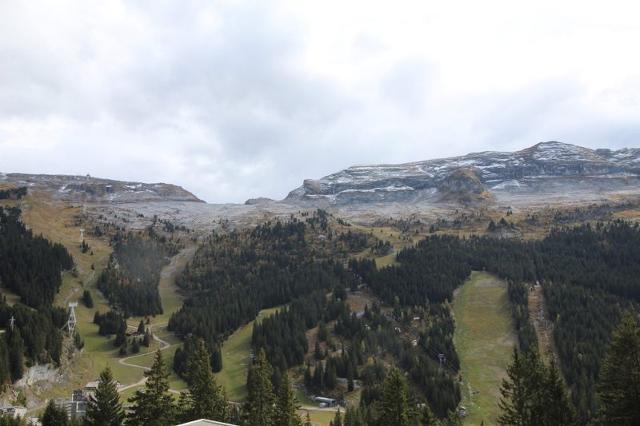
(30, 266)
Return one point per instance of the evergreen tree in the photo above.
(515, 401)
(16, 354)
(146, 340)
(135, 346)
(286, 405)
(354, 417)
(533, 394)
(87, 299)
(54, 415)
(104, 408)
(259, 409)
(619, 385)
(141, 327)
(216, 359)
(205, 398)
(5, 369)
(556, 407)
(394, 404)
(337, 419)
(153, 406)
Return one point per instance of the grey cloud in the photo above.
(226, 110)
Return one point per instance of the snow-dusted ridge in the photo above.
(525, 170)
(91, 189)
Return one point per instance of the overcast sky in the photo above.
(240, 99)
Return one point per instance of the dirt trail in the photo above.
(125, 361)
(542, 325)
(171, 302)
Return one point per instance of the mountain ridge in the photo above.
(526, 170)
(91, 189)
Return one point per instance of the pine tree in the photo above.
(216, 360)
(16, 354)
(54, 415)
(354, 417)
(146, 340)
(394, 404)
(5, 370)
(104, 408)
(205, 398)
(516, 399)
(141, 327)
(533, 394)
(259, 410)
(287, 405)
(619, 385)
(135, 346)
(337, 419)
(555, 406)
(87, 299)
(153, 406)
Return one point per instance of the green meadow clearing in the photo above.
(484, 338)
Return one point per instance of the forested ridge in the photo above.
(130, 280)
(233, 276)
(30, 266)
(588, 273)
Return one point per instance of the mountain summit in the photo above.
(546, 166)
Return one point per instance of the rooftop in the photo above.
(205, 422)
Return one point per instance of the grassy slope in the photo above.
(56, 221)
(236, 354)
(484, 338)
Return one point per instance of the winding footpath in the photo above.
(125, 361)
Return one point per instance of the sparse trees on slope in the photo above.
(105, 408)
(153, 406)
(619, 385)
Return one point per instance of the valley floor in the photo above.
(484, 338)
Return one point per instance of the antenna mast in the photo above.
(72, 321)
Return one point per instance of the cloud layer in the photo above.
(241, 99)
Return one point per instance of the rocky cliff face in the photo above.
(97, 190)
(478, 177)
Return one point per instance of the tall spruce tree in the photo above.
(516, 399)
(205, 398)
(105, 408)
(619, 385)
(556, 407)
(394, 404)
(54, 415)
(16, 354)
(534, 395)
(287, 405)
(337, 419)
(153, 406)
(259, 407)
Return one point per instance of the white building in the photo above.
(205, 422)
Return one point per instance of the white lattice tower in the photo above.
(81, 234)
(72, 321)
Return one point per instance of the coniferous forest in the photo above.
(31, 267)
(304, 267)
(130, 281)
(593, 265)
